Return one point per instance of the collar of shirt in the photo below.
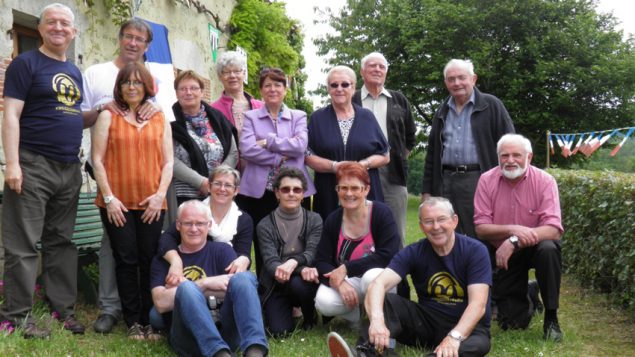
(366, 93)
(471, 100)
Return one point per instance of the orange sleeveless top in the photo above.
(133, 160)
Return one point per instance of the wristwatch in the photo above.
(514, 240)
(456, 335)
(99, 108)
(108, 199)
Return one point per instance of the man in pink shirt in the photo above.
(517, 213)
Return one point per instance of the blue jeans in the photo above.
(194, 333)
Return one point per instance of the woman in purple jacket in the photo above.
(272, 137)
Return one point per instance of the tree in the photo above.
(271, 39)
(556, 65)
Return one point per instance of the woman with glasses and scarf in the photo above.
(358, 240)
(340, 132)
(288, 239)
(133, 163)
(273, 136)
(203, 139)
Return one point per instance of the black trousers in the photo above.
(410, 324)
(279, 305)
(133, 246)
(459, 188)
(257, 208)
(510, 286)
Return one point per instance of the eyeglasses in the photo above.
(351, 189)
(227, 186)
(286, 189)
(130, 37)
(343, 85)
(132, 83)
(461, 78)
(198, 225)
(235, 72)
(440, 220)
(191, 89)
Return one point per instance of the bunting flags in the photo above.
(587, 143)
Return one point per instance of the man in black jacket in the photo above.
(462, 142)
(392, 110)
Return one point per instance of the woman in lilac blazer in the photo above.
(272, 137)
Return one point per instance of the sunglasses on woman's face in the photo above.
(287, 189)
(343, 85)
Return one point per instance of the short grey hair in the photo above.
(374, 55)
(348, 71)
(230, 58)
(225, 170)
(58, 6)
(199, 206)
(514, 139)
(437, 201)
(462, 64)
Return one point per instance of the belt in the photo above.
(462, 168)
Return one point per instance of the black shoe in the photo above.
(552, 331)
(71, 324)
(104, 323)
(32, 331)
(533, 293)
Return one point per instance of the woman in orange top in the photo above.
(132, 161)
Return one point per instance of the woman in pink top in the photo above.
(234, 102)
(357, 238)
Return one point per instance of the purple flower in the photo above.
(56, 315)
(7, 326)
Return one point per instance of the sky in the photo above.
(302, 10)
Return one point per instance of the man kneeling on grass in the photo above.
(452, 276)
(192, 330)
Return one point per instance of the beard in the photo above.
(515, 173)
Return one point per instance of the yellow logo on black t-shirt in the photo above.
(194, 273)
(444, 289)
(68, 92)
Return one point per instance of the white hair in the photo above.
(466, 65)
(230, 58)
(514, 139)
(57, 5)
(199, 206)
(376, 55)
(437, 201)
(341, 69)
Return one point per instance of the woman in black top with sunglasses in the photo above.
(343, 131)
(288, 239)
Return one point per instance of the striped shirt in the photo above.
(134, 160)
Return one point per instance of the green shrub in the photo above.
(599, 241)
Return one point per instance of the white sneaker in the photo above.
(337, 346)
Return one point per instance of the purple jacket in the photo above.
(288, 139)
(225, 102)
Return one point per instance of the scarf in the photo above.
(225, 230)
(198, 121)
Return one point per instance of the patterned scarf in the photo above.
(198, 122)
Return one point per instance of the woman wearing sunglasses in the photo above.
(339, 132)
(273, 136)
(288, 239)
(358, 237)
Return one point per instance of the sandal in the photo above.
(152, 335)
(135, 332)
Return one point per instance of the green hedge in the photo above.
(598, 213)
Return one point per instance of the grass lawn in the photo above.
(591, 326)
